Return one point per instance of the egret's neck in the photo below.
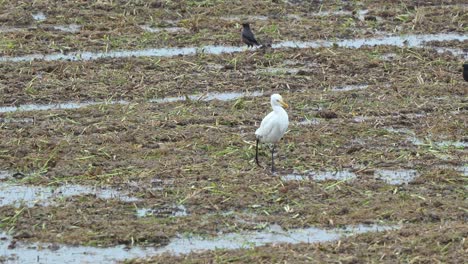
(278, 109)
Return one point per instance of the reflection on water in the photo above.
(454, 51)
(400, 41)
(41, 107)
(340, 175)
(174, 211)
(396, 177)
(227, 96)
(30, 253)
(162, 29)
(39, 16)
(72, 28)
(22, 195)
(350, 87)
(309, 122)
(243, 18)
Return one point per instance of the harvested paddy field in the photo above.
(127, 132)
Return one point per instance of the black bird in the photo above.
(465, 71)
(247, 35)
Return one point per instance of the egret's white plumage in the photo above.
(273, 126)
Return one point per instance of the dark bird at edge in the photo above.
(465, 71)
(247, 36)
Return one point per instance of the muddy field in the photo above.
(127, 132)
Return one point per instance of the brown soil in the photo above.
(201, 153)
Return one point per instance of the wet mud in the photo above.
(127, 132)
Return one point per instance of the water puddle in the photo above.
(309, 122)
(72, 28)
(158, 184)
(351, 87)
(360, 14)
(399, 41)
(411, 137)
(173, 211)
(21, 195)
(4, 175)
(441, 145)
(16, 120)
(389, 56)
(228, 96)
(279, 70)
(293, 17)
(243, 18)
(290, 67)
(401, 130)
(39, 16)
(49, 253)
(42, 107)
(342, 175)
(151, 29)
(14, 29)
(462, 169)
(362, 119)
(463, 53)
(396, 177)
(449, 143)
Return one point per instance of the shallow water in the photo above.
(240, 19)
(22, 195)
(400, 41)
(396, 177)
(449, 143)
(401, 130)
(30, 253)
(41, 107)
(4, 175)
(162, 29)
(463, 53)
(6, 29)
(341, 175)
(389, 56)
(228, 96)
(442, 144)
(462, 169)
(279, 70)
(350, 87)
(309, 122)
(16, 120)
(72, 28)
(174, 211)
(359, 13)
(39, 16)
(362, 119)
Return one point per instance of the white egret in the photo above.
(273, 126)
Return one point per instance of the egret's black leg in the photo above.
(256, 153)
(272, 159)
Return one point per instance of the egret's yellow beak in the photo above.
(283, 104)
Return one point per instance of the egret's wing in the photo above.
(265, 126)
